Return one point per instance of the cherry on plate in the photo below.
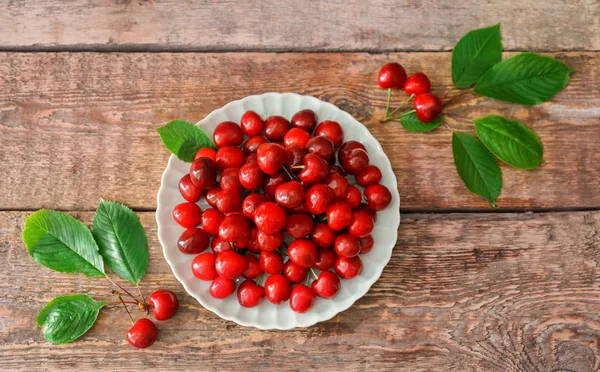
(353, 196)
(339, 215)
(203, 266)
(250, 176)
(325, 259)
(302, 298)
(305, 119)
(230, 157)
(294, 273)
(271, 182)
(193, 241)
(299, 225)
(378, 196)
(229, 200)
(332, 130)
(206, 152)
(277, 289)
(295, 158)
(251, 145)
(271, 157)
(219, 245)
(250, 203)
(251, 123)
(289, 194)
(203, 173)
(269, 218)
(355, 161)
(250, 294)
(230, 264)
(142, 334)
(348, 267)
(318, 198)
(188, 190)
(276, 127)
(339, 185)
(322, 147)
(327, 285)
(370, 175)
(164, 304)
(228, 133)
(270, 262)
(221, 287)
(235, 229)
(346, 245)
(211, 195)
(211, 219)
(253, 269)
(230, 179)
(349, 146)
(252, 245)
(303, 252)
(315, 169)
(361, 225)
(187, 214)
(270, 242)
(322, 235)
(296, 137)
(366, 244)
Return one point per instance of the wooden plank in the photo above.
(464, 292)
(75, 127)
(294, 25)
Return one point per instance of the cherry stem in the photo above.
(288, 172)
(387, 106)
(260, 278)
(113, 303)
(448, 126)
(232, 246)
(307, 279)
(298, 167)
(123, 289)
(399, 107)
(116, 293)
(312, 271)
(142, 296)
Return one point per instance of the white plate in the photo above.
(267, 315)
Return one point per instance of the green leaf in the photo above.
(67, 318)
(510, 141)
(122, 240)
(60, 242)
(184, 139)
(476, 166)
(526, 78)
(411, 122)
(474, 54)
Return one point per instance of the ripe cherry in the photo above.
(250, 176)
(219, 245)
(230, 157)
(203, 266)
(417, 83)
(296, 137)
(378, 196)
(369, 176)
(349, 146)
(361, 225)
(427, 107)
(346, 245)
(339, 215)
(289, 194)
(252, 245)
(164, 304)
(353, 196)
(315, 169)
(229, 200)
(188, 190)
(348, 267)
(277, 289)
(295, 158)
(230, 180)
(325, 259)
(332, 130)
(203, 173)
(253, 270)
(230, 264)
(318, 198)
(252, 143)
(392, 76)
(142, 334)
(211, 195)
(276, 127)
(251, 159)
(211, 219)
(271, 182)
(221, 287)
(206, 152)
(251, 123)
(228, 133)
(236, 229)
(250, 294)
(299, 225)
(339, 185)
(322, 235)
(303, 252)
(294, 273)
(321, 146)
(250, 203)
(327, 285)
(269, 218)
(365, 208)
(355, 162)
(270, 262)
(193, 241)
(302, 298)
(271, 157)
(187, 214)
(366, 244)
(270, 242)
(305, 119)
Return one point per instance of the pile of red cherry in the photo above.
(281, 179)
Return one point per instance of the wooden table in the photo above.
(84, 85)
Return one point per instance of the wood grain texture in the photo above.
(75, 127)
(463, 292)
(415, 25)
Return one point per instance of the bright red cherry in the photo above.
(271, 182)
(230, 180)
(230, 157)
(361, 225)
(346, 245)
(427, 107)
(251, 159)
(211, 219)
(219, 245)
(299, 225)
(325, 259)
(369, 176)
(250, 176)
(302, 298)
(339, 215)
(296, 137)
(322, 235)
(321, 146)
(252, 245)
(206, 152)
(348, 267)
(250, 203)
(349, 146)
(305, 119)
(289, 194)
(252, 143)
(277, 289)
(332, 130)
(353, 196)
(188, 190)
(327, 285)
(315, 169)
(362, 207)
(270, 262)
(271, 157)
(230, 264)
(236, 229)
(392, 76)
(270, 242)
(193, 241)
(355, 162)
(417, 83)
(318, 198)
(211, 195)
(339, 185)
(203, 266)
(187, 214)
(228, 133)
(142, 334)
(303, 252)
(253, 270)
(295, 158)
(294, 273)
(366, 244)
(164, 304)
(269, 218)
(229, 200)
(276, 127)
(251, 123)
(378, 196)
(250, 294)
(203, 173)
(221, 287)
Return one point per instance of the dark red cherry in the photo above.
(188, 190)
(349, 146)
(276, 127)
(305, 119)
(230, 179)
(230, 264)
(346, 245)
(228, 133)
(212, 195)
(355, 162)
(230, 157)
(221, 287)
(251, 123)
(187, 214)
(353, 196)
(277, 289)
(366, 244)
(271, 157)
(295, 158)
(392, 76)
(325, 259)
(252, 245)
(219, 245)
(250, 294)
(348, 267)
(235, 229)
(253, 269)
(322, 235)
(315, 169)
(142, 334)
(299, 225)
(203, 266)
(339, 185)
(203, 173)
(271, 182)
(289, 194)
(270, 242)
(193, 241)
(164, 304)
(303, 252)
(252, 143)
(250, 176)
(378, 196)
(321, 146)
(294, 273)
(332, 130)
(229, 200)
(370, 175)
(327, 285)
(270, 262)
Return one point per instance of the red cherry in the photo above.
(327, 285)
(229, 200)
(188, 190)
(322, 235)
(252, 143)
(321, 146)
(269, 218)
(219, 245)
(362, 207)
(315, 169)
(428, 107)
(206, 152)
(299, 225)
(271, 157)
(353, 196)
(230, 264)
(303, 252)
(212, 195)
(253, 270)
(349, 146)
(294, 273)
(417, 83)
(366, 244)
(203, 173)
(251, 159)
(203, 266)
(302, 298)
(187, 214)
(378, 196)
(361, 225)
(332, 130)
(277, 289)
(339, 185)
(164, 304)
(270, 242)
(193, 241)
(289, 194)
(271, 182)
(253, 243)
(230, 157)
(346, 245)
(318, 198)
(250, 203)
(392, 76)
(230, 180)
(296, 137)
(305, 119)
(270, 262)
(142, 334)
(250, 176)
(236, 229)
(276, 127)
(251, 123)
(348, 267)
(299, 209)
(295, 158)
(221, 287)
(325, 259)
(228, 133)
(339, 215)
(369, 176)
(250, 294)
(211, 219)
(336, 169)
(355, 162)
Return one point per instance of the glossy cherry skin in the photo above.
(277, 289)
(230, 264)
(253, 269)
(315, 169)
(318, 198)
(236, 229)
(299, 225)
(219, 245)
(252, 245)
(339, 185)
(229, 200)
(269, 218)
(276, 127)
(251, 123)
(325, 259)
(188, 190)
(251, 145)
(349, 146)
(353, 196)
(206, 152)
(250, 294)
(212, 195)
(378, 196)
(187, 214)
(294, 273)
(332, 130)
(366, 244)
(251, 159)
(230, 157)
(271, 182)
(303, 252)
(289, 194)
(346, 245)
(339, 215)
(142, 334)
(295, 158)
(230, 180)
(361, 225)
(321, 146)
(305, 119)
(355, 162)
(221, 287)
(365, 208)
(164, 304)
(228, 133)
(348, 267)
(250, 176)
(203, 266)
(193, 241)
(250, 203)
(370, 175)
(271, 157)
(211, 219)
(270, 262)
(416, 84)
(296, 137)
(270, 242)
(327, 285)
(203, 173)
(427, 107)
(392, 76)
(322, 235)
(302, 298)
